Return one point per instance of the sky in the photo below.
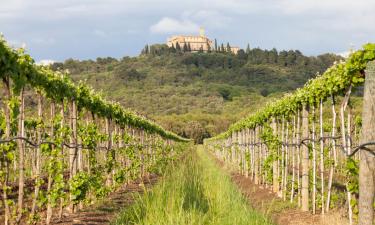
(86, 29)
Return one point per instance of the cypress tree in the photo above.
(189, 47)
(185, 48)
(201, 49)
(145, 50)
(215, 45)
(228, 47)
(178, 47)
(173, 49)
(248, 49)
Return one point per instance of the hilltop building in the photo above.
(195, 43)
(234, 50)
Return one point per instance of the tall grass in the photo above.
(194, 192)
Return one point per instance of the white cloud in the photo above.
(169, 25)
(209, 19)
(45, 62)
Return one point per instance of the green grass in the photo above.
(194, 192)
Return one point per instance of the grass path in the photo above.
(195, 192)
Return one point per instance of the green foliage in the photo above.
(272, 141)
(333, 82)
(273, 144)
(352, 171)
(79, 186)
(21, 70)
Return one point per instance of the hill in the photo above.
(197, 95)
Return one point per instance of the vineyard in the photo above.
(312, 147)
(63, 147)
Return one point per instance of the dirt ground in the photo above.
(282, 213)
(106, 210)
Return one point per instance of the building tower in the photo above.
(201, 32)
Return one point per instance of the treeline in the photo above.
(222, 57)
(219, 58)
(257, 56)
(86, 66)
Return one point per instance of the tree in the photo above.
(272, 56)
(225, 93)
(201, 49)
(145, 50)
(282, 59)
(126, 74)
(196, 131)
(228, 47)
(185, 48)
(248, 49)
(291, 57)
(189, 47)
(178, 47)
(222, 48)
(264, 92)
(215, 45)
(172, 49)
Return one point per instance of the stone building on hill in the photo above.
(194, 43)
(234, 50)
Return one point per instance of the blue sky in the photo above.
(84, 29)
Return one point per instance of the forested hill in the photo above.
(197, 95)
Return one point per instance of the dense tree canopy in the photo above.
(202, 88)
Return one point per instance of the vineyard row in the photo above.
(312, 147)
(63, 146)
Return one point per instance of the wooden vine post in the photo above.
(49, 181)
(333, 154)
(38, 157)
(313, 161)
(73, 149)
(298, 148)
(275, 180)
(305, 160)
(293, 159)
(21, 164)
(256, 154)
(321, 153)
(286, 172)
(7, 111)
(367, 160)
(247, 149)
(108, 131)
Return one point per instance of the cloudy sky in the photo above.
(83, 29)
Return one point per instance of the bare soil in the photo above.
(282, 213)
(106, 210)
